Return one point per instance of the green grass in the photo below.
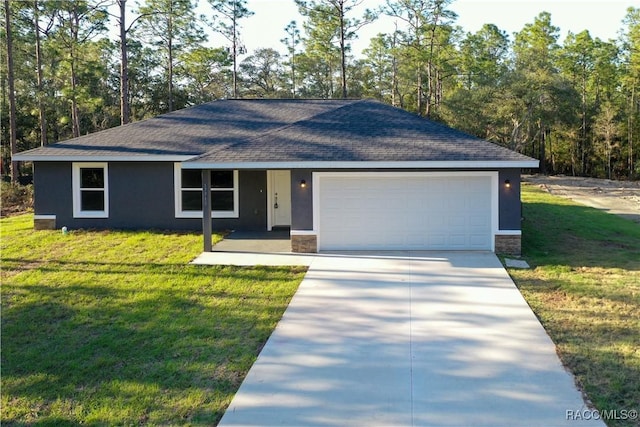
(585, 289)
(115, 328)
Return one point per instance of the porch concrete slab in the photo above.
(246, 259)
(277, 241)
(407, 338)
(248, 248)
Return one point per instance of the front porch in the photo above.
(267, 242)
(265, 206)
(250, 248)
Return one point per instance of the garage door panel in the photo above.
(458, 240)
(457, 221)
(416, 240)
(479, 220)
(477, 240)
(404, 212)
(437, 241)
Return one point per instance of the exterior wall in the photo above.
(141, 196)
(53, 191)
(510, 207)
(301, 200)
(253, 204)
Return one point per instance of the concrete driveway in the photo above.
(408, 339)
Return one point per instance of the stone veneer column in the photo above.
(44, 222)
(508, 244)
(304, 243)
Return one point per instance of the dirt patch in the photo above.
(617, 197)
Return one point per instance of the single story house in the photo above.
(340, 174)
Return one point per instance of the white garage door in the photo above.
(396, 212)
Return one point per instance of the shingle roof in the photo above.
(285, 131)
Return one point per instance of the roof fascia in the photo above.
(446, 164)
(89, 158)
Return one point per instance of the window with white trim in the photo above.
(188, 192)
(90, 182)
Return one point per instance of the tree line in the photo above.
(79, 66)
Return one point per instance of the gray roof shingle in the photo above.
(281, 131)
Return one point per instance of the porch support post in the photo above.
(206, 209)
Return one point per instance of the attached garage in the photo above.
(405, 210)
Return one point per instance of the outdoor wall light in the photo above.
(303, 183)
(507, 183)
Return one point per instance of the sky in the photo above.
(602, 18)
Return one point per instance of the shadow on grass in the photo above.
(20, 264)
(585, 289)
(166, 331)
(596, 334)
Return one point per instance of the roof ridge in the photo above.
(281, 128)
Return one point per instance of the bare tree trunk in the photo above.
(125, 108)
(12, 93)
(293, 74)
(418, 48)
(234, 47)
(293, 63)
(170, 55)
(515, 136)
(552, 154)
(419, 94)
(75, 113)
(609, 150)
(330, 76)
(41, 103)
(427, 111)
(542, 148)
(574, 153)
(630, 132)
(430, 66)
(343, 54)
(394, 65)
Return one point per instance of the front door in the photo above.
(279, 183)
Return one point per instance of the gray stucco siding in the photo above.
(301, 200)
(509, 203)
(141, 196)
(252, 214)
(53, 191)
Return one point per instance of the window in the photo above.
(90, 183)
(224, 193)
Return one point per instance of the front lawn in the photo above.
(107, 328)
(115, 328)
(585, 288)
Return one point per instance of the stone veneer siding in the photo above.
(304, 244)
(508, 244)
(44, 223)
